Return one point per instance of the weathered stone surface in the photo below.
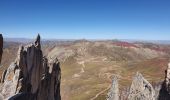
(141, 89)
(3, 76)
(1, 97)
(50, 83)
(1, 46)
(31, 76)
(124, 93)
(11, 81)
(164, 93)
(114, 91)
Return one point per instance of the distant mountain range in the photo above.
(27, 40)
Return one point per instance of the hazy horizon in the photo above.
(43, 38)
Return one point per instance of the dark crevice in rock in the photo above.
(164, 93)
(1, 47)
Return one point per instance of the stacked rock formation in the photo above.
(32, 76)
(1, 46)
(164, 93)
(141, 89)
(114, 91)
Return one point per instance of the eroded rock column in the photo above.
(32, 76)
(114, 91)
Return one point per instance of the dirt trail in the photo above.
(81, 71)
(103, 91)
(109, 77)
(83, 66)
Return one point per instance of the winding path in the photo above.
(82, 69)
(103, 91)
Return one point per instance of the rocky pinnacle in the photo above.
(141, 89)
(114, 91)
(32, 76)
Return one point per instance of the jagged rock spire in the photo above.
(114, 91)
(1, 46)
(37, 41)
(32, 76)
(141, 89)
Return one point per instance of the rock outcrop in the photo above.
(32, 76)
(114, 91)
(164, 93)
(141, 89)
(1, 46)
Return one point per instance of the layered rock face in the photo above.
(32, 76)
(114, 91)
(1, 46)
(141, 89)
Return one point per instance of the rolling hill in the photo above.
(87, 66)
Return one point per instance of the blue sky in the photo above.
(89, 19)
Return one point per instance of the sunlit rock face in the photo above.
(32, 76)
(141, 89)
(114, 91)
